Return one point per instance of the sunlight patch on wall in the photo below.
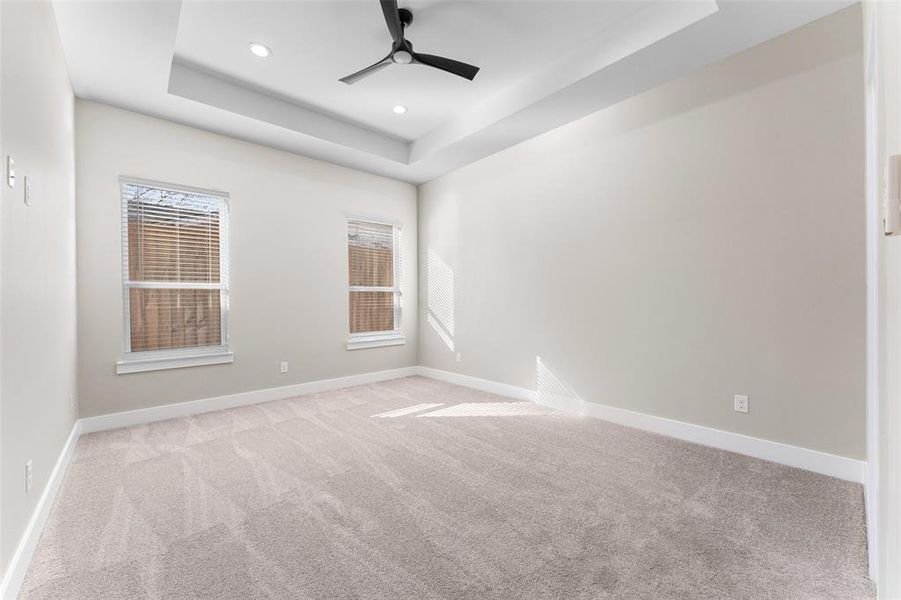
(440, 298)
(553, 392)
(448, 341)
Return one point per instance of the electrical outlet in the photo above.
(28, 476)
(72, 402)
(741, 403)
(284, 367)
(459, 357)
(10, 172)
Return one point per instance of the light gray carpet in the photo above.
(474, 497)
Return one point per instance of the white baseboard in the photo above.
(794, 456)
(18, 565)
(840, 467)
(195, 407)
(493, 387)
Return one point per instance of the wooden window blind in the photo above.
(374, 271)
(174, 268)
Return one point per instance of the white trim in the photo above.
(374, 288)
(841, 467)
(361, 341)
(492, 387)
(172, 187)
(375, 339)
(371, 219)
(194, 407)
(398, 278)
(18, 565)
(176, 357)
(138, 362)
(173, 285)
(874, 233)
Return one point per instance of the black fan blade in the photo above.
(392, 18)
(355, 77)
(445, 64)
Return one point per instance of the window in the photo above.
(175, 277)
(374, 273)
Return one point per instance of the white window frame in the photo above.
(154, 360)
(377, 339)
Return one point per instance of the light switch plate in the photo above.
(892, 202)
(10, 172)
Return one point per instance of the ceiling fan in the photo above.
(402, 50)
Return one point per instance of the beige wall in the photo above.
(37, 277)
(288, 259)
(703, 239)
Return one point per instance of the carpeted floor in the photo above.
(418, 489)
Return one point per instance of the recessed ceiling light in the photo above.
(400, 109)
(260, 50)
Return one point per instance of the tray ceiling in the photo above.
(543, 64)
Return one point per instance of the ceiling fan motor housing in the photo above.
(402, 57)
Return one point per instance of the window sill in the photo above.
(375, 341)
(159, 362)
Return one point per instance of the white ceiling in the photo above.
(316, 43)
(543, 64)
